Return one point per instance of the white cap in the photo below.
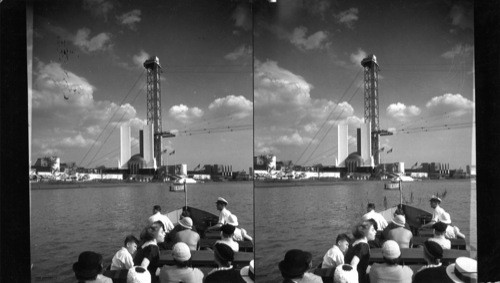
(138, 274)
(181, 252)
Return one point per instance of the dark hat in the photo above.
(227, 229)
(296, 262)
(89, 265)
(223, 252)
(440, 227)
(433, 249)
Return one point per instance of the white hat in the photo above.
(232, 220)
(186, 222)
(181, 252)
(219, 199)
(399, 220)
(463, 270)
(138, 274)
(345, 273)
(445, 218)
(248, 273)
(434, 197)
(390, 249)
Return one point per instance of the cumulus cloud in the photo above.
(462, 15)
(452, 104)
(348, 17)
(357, 57)
(99, 42)
(98, 8)
(242, 52)
(66, 117)
(316, 40)
(242, 17)
(293, 139)
(401, 112)
(130, 19)
(234, 106)
(185, 114)
(459, 50)
(140, 58)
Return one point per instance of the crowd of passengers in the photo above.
(141, 257)
(350, 256)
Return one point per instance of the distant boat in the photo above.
(184, 180)
(392, 185)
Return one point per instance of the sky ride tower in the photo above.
(371, 113)
(153, 69)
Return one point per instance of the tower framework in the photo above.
(371, 109)
(153, 70)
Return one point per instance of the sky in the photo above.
(308, 78)
(88, 79)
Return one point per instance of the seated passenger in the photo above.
(224, 273)
(182, 271)
(157, 216)
(138, 274)
(89, 267)
(371, 214)
(391, 225)
(439, 230)
(227, 232)
(358, 254)
(221, 204)
(452, 232)
(345, 273)
(390, 270)
(295, 266)
(186, 235)
(400, 234)
(433, 253)
(335, 256)
(123, 259)
(148, 253)
(463, 270)
(240, 234)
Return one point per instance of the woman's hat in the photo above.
(223, 252)
(186, 222)
(248, 272)
(435, 198)
(433, 249)
(345, 273)
(295, 264)
(399, 220)
(138, 274)
(181, 252)
(445, 218)
(88, 266)
(390, 249)
(463, 270)
(232, 220)
(219, 199)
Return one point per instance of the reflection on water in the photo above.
(65, 222)
(310, 217)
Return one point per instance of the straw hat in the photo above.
(232, 220)
(248, 273)
(345, 273)
(181, 252)
(463, 270)
(399, 220)
(219, 199)
(295, 264)
(186, 222)
(390, 249)
(138, 274)
(88, 266)
(435, 198)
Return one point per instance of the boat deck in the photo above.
(415, 256)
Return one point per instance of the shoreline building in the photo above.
(362, 159)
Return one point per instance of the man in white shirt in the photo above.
(123, 259)
(438, 211)
(439, 230)
(335, 256)
(157, 216)
(221, 204)
(371, 214)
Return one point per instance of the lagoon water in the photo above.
(309, 216)
(68, 221)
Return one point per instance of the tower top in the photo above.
(370, 59)
(149, 63)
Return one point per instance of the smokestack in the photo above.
(358, 137)
(141, 143)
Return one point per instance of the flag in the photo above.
(173, 152)
(389, 151)
(197, 166)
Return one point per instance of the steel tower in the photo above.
(154, 70)
(371, 68)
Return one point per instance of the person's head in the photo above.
(433, 252)
(223, 254)
(391, 252)
(399, 220)
(374, 223)
(185, 213)
(370, 207)
(342, 242)
(221, 203)
(364, 229)
(155, 231)
(181, 254)
(131, 243)
(434, 201)
(186, 223)
(156, 209)
(88, 266)
(463, 270)
(439, 228)
(227, 230)
(345, 273)
(138, 274)
(399, 210)
(295, 264)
